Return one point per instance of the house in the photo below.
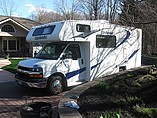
(13, 31)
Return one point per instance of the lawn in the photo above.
(12, 67)
(130, 95)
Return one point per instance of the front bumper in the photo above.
(33, 83)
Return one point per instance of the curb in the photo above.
(67, 112)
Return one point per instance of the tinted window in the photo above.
(82, 28)
(73, 52)
(51, 51)
(105, 41)
(44, 30)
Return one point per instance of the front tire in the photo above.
(55, 85)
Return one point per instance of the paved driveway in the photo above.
(12, 96)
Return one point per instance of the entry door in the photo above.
(74, 63)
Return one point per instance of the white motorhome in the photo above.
(78, 51)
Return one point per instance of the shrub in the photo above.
(151, 112)
(103, 85)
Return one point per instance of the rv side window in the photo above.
(44, 30)
(82, 28)
(105, 41)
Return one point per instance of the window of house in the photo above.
(4, 44)
(82, 28)
(17, 45)
(105, 41)
(8, 28)
(11, 45)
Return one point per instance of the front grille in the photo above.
(25, 77)
(25, 68)
(23, 73)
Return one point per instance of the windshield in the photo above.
(51, 51)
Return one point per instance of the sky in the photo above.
(24, 8)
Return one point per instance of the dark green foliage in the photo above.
(103, 85)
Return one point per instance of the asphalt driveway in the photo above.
(12, 97)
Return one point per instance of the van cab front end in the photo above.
(56, 66)
(35, 72)
(30, 76)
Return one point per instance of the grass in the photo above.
(146, 111)
(103, 85)
(145, 79)
(133, 99)
(128, 100)
(12, 67)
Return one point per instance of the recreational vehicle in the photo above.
(78, 51)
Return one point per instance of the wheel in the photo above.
(55, 85)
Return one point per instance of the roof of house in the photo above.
(23, 22)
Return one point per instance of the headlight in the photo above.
(39, 69)
(36, 68)
(36, 72)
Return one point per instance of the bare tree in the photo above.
(92, 9)
(7, 7)
(100, 9)
(88, 9)
(68, 9)
(114, 10)
(142, 14)
(42, 15)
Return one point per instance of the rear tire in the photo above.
(55, 85)
(35, 109)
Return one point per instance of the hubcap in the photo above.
(56, 86)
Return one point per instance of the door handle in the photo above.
(82, 61)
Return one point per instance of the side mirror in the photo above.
(35, 53)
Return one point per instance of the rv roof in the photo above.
(67, 30)
(73, 21)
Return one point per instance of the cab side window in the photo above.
(73, 52)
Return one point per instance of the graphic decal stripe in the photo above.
(133, 54)
(74, 73)
(127, 36)
(95, 66)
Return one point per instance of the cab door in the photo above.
(74, 64)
